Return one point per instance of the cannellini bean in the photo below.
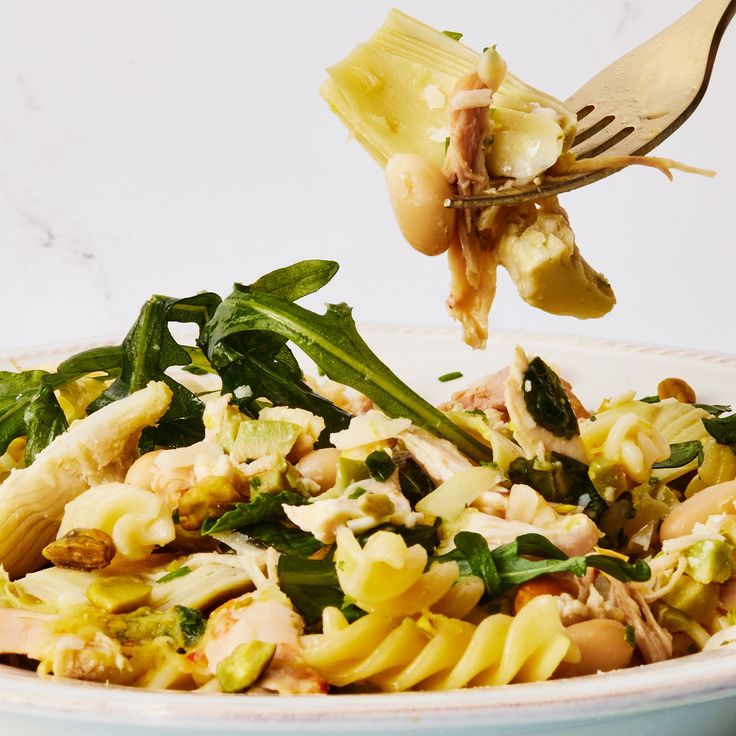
(418, 189)
(603, 647)
(143, 471)
(717, 499)
(320, 466)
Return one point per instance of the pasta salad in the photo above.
(201, 515)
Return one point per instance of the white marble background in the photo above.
(171, 146)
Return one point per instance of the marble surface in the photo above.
(174, 146)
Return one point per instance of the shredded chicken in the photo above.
(439, 459)
(654, 642)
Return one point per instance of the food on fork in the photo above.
(444, 120)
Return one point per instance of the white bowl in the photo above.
(691, 695)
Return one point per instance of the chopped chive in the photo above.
(174, 574)
(358, 492)
(450, 376)
(454, 35)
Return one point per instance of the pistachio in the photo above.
(244, 666)
(676, 388)
(81, 549)
(208, 499)
(118, 595)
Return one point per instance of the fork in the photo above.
(635, 103)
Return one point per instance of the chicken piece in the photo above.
(575, 534)
(94, 450)
(489, 393)
(24, 632)
(439, 459)
(534, 440)
(654, 642)
(265, 616)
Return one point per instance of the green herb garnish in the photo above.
(380, 465)
(546, 400)
(264, 507)
(453, 375)
(454, 35)
(681, 453)
(174, 574)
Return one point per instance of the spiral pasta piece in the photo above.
(388, 577)
(433, 652)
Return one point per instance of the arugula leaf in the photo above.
(107, 359)
(681, 453)
(415, 483)
(44, 420)
(333, 342)
(264, 507)
(312, 586)
(425, 535)
(475, 550)
(722, 429)
(284, 539)
(17, 392)
(714, 409)
(561, 479)
(380, 465)
(296, 281)
(626, 572)
(546, 400)
(507, 566)
(147, 351)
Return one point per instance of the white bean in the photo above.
(418, 189)
(717, 499)
(320, 466)
(603, 647)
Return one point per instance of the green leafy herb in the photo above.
(722, 429)
(650, 399)
(380, 465)
(179, 572)
(454, 35)
(285, 539)
(546, 400)
(264, 507)
(450, 376)
(681, 453)
(560, 480)
(424, 535)
(261, 359)
(715, 409)
(312, 586)
(507, 566)
(357, 493)
(192, 624)
(333, 342)
(475, 550)
(44, 420)
(447, 144)
(147, 351)
(415, 483)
